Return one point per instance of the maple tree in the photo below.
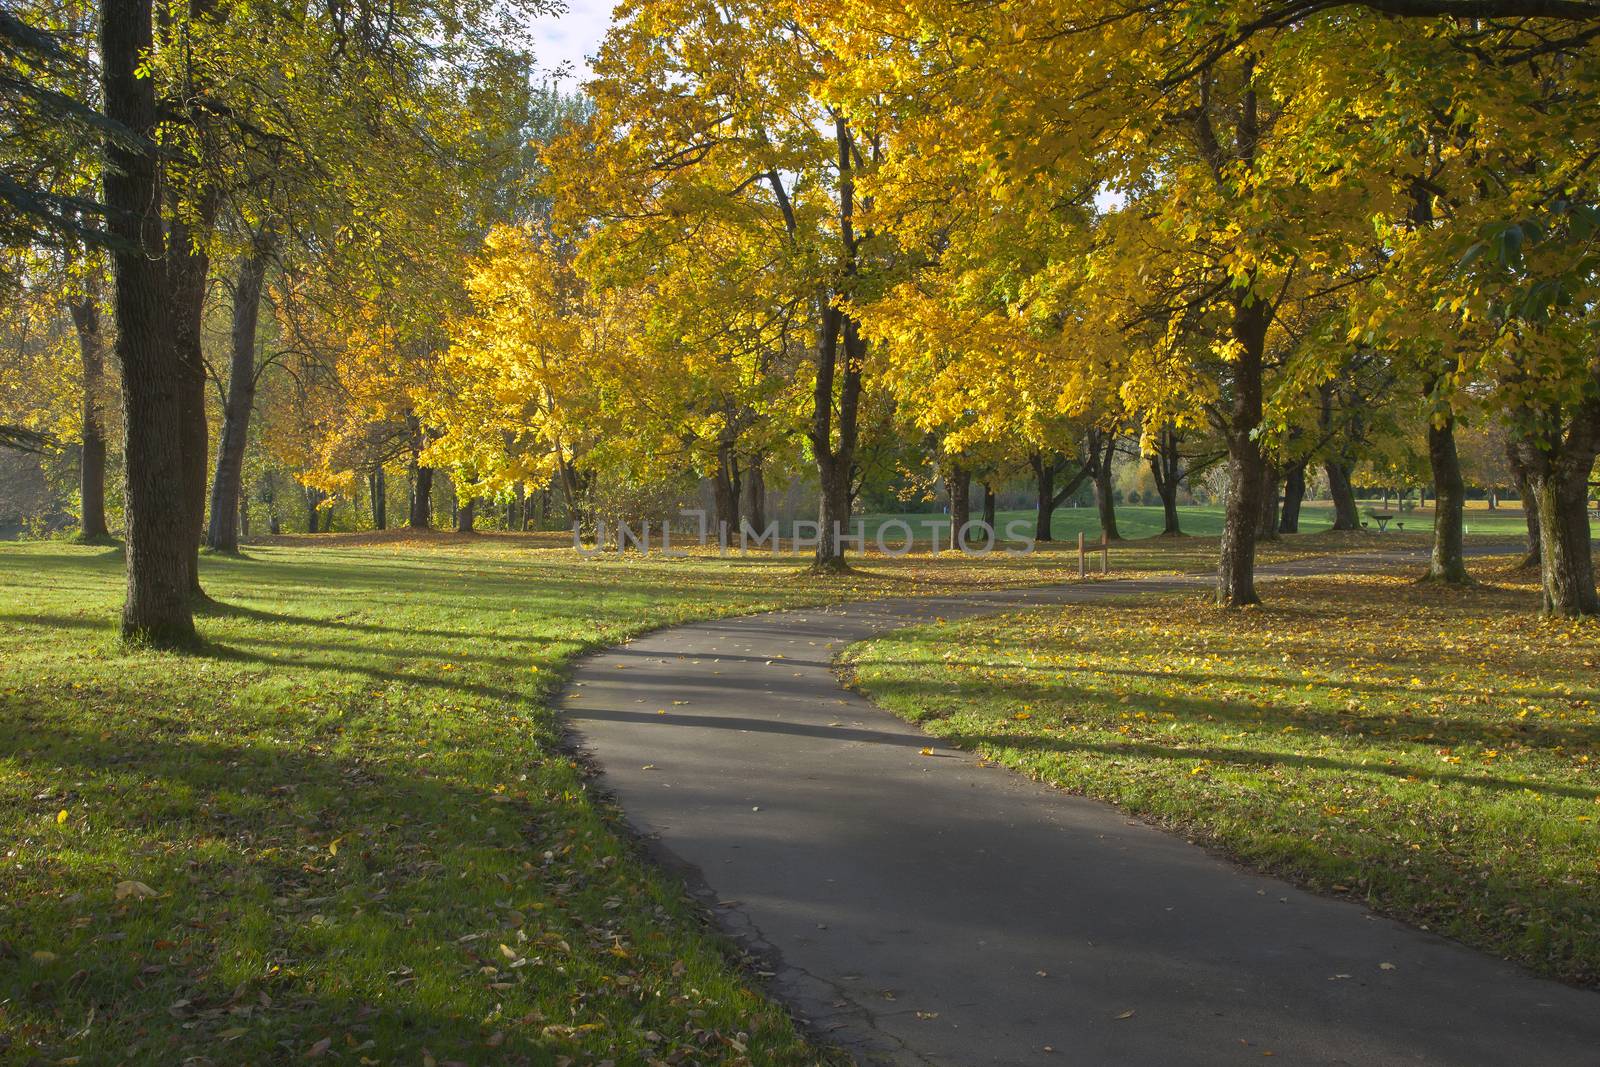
(1312, 242)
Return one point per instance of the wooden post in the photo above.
(1082, 571)
(1105, 553)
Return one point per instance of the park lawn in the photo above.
(1433, 753)
(349, 830)
(1138, 521)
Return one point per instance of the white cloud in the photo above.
(569, 39)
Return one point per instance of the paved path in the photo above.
(935, 911)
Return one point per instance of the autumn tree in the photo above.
(714, 113)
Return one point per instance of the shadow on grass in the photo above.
(234, 838)
(1269, 720)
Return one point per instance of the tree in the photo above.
(709, 113)
(158, 539)
(239, 401)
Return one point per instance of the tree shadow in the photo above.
(1269, 720)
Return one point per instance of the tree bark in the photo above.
(1448, 563)
(421, 516)
(223, 535)
(189, 270)
(1346, 516)
(466, 517)
(988, 506)
(1530, 505)
(725, 492)
(958, 491)
(1101, 448)
(1566, 561)
(1236, 584)
(835, 458)
(244, 512)
(755, 484)
(1294, 494)
(1267, 530)
(159, 546)
(378, 490)
(1044, 480)
(92, 457)
(1559, 463)
(833, 444)
(316, 520)
(1166, 468)
(1045, 468)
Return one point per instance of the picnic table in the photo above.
(1382, 519)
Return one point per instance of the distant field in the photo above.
(1137, 521)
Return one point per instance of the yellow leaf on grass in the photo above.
(131, 888)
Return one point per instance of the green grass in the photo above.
(1137, 521)
(1433, 752)
(348, 830)
(325, 827)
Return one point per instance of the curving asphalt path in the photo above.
(919, 910)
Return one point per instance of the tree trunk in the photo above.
(92, 457)
(421, 517)
(1565, 557)
(244, 512)
(838, 381)
(1101, 448)
(1236, 583)
(1448, 563)
(1558, 464)
(1267, 530)
(189, 271)
(223, 535)
(1530, 505)
(833, 513)
(159, 548)
(988, 506)
(835, 454)
(316, 520)
(378, 490)
(1346, 516)
(755, 484)
(1044, 480)
(958, 491)
(466, 516)
(1294, 494)
(1166, 468)
(725, 494)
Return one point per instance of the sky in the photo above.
(571, 37)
